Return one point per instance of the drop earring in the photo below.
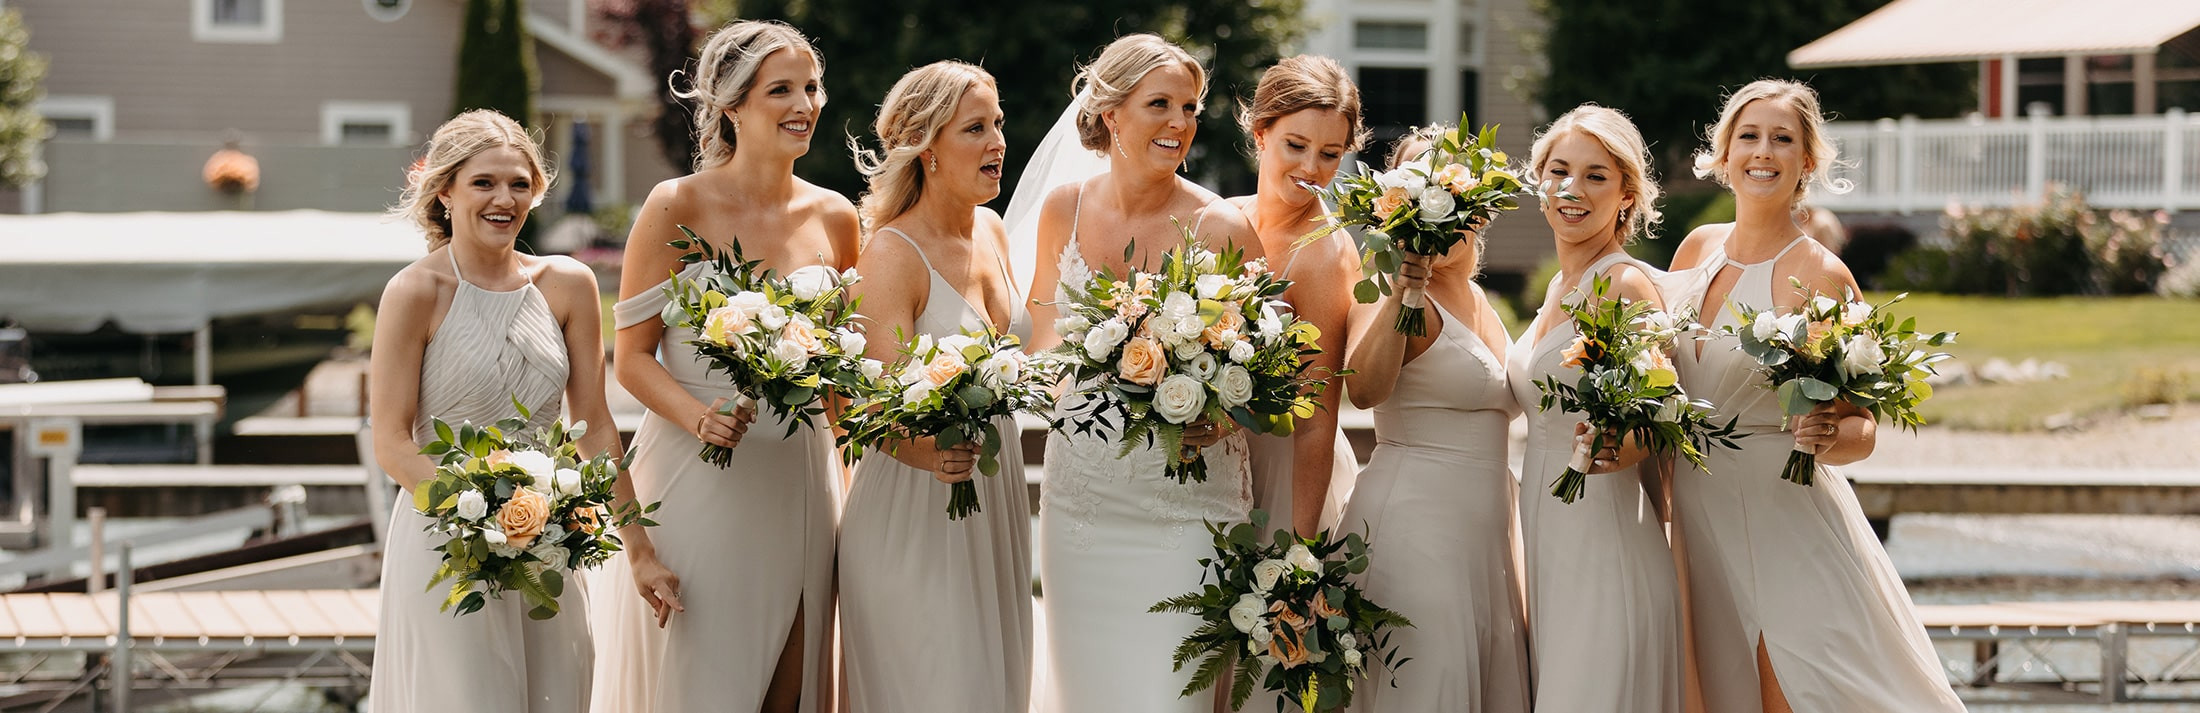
(935, 163)
(1119, 146)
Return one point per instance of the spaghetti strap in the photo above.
(1589, 276)
(452, 253)
(913, 246)
(1201, 219)
(1739, 265)
(1799, 239)
(1076, 209)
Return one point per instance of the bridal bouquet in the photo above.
(951, 389)
(1628, 386)
(1421, 207)
(1205, 337)
(1847, 349)
(520, 511)
(786, 342)
(1285, 614)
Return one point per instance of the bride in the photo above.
(1115, 535)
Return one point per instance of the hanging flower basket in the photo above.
(232, 171)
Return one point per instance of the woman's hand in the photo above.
(658, 585)
(1413, 273)
(1203, 433)
(1612, 457)
(947, 465)
(1820, 430)
(718, 428)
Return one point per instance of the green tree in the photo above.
(1669, 64)
(496, 61)
(1033, 50)
(665, 31)
(21, 128)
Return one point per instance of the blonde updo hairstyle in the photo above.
(1304, 82)
(1419, 135)
(724, 74)
(454, 143)
(1810, 131)
(1107, 82)
(915, 112)
(1619, 137)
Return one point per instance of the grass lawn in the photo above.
(2117, 350)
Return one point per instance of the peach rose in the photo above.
(523, 516)
(1582, 352)
(497, 458)
(1321, 607)
(1284, 615)
(1286, 648)
(802, 335)
(942, 369)
(1225, 329)
(587, 520)
(1390, 201)
(1143, 361)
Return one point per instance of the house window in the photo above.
(1375, 35)
(366, 123)
(1394, 100)
(79, 118)
(247, 21)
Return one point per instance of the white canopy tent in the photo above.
(176, 272)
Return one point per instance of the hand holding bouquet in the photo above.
(1846, 349)
(785, 342)
(519, 511)
(951, 390)
(1424, 207)
(1628, 387)
(1204, 338)
(1286, 607)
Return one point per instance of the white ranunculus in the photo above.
(1179, 399)
(791, 353)
(1821, 304)
(1437, 204)
(1861, 355)
(1246, 613)
(1104, 337)
(910, 373)
(872, 368)
(1072, 324)
(565, 483)
(1789, 324)
(772, 317)
(1241, 351)
(1854, 313)
(851, 342)
(1006, 367)
(471, 506)
(1765, 326)
(537, 465)
(1301, 557)
(810, 282)
(1203, 259)
(1213, 287)
(1266, 572)
(1234, 387)
(1352, 658)
(1346, 641)
(1202, 366)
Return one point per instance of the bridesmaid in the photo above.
(750, 545)
(937, 612)
(1304, 118)
(463, 333)
(1438, 495)
(1783, 577)
(1603, 608)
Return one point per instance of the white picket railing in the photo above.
(1910, 165)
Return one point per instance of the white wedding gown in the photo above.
(1116, 536)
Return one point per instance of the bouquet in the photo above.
(785, 342)
(520, 511)
(1628, 386)
(1847, 349)
(1288, 608)
(1204, 337)
(950, 389)
(1421, 207)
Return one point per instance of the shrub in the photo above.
(2058, 246)
(1872, 248)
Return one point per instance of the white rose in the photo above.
(1402, 177)
(1188, 349)
(1352, 658)
(1346, 641)
(911, 373)
(1821, 304)
(1188, 328)
(1246, 614)
(916, 392)
(923, 347)
(566, 482)
(1203, 260)
(750, 303)
(1302, 558)
(1260, 635)
(1861, 355)
(1437, 204)
(1213, 287)
(791, 353)
(849, 277)
(537, 465)
(1670, 410)
(1179, 305)
(1266, 573)
(1657, 322)
(492, 535)
(1317, 657)
(1241, 351)
(851, 342)
(810, 282)
(1104, 337)
(1789, 324)
(1202, 366)
(471, 506)
(1071, 324)
(1765, 326)
(1854, 313)
(872, 369)
(773, 317)
(955, 344)
(1006, 367)
(1179, 398)
(1235, 387)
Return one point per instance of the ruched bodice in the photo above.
(492, 348)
